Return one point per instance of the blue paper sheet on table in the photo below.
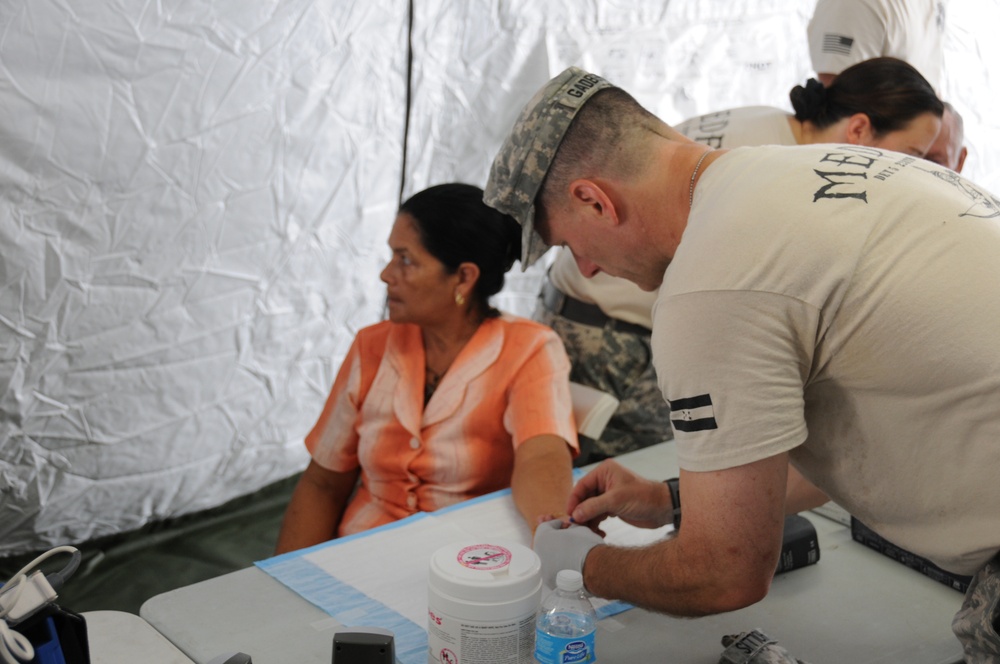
(379, 577)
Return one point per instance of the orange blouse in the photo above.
(508, 384)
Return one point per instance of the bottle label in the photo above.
(452, 640)
(550, 649)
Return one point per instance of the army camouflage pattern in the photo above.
(976, 622)
(524, 158)
(619, 363)
(754, 647)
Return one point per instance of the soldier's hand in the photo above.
(612, 490)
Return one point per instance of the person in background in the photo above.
(605, 322)
(807, 313)
(449, 398)
(844, 32)
(949, 149)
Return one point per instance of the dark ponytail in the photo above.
(888, 90)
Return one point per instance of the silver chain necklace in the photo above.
(694, 174)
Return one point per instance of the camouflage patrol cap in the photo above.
(526, 154)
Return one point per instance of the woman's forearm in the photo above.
(542, 479)
(315, 509)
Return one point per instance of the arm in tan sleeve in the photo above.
(722, 559)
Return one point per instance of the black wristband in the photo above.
(674, 484)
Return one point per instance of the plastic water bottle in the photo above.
(564, 629)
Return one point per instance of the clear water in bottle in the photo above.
(566, 622)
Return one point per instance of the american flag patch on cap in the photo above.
(693, 413)
(837, 44)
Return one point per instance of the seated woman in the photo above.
(448, 399)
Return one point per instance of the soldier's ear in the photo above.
(591, 199)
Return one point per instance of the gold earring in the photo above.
(459, 298)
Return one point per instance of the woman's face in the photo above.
(419, 289)
(915, 139)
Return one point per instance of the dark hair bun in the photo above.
(888, 90)
(810, 101)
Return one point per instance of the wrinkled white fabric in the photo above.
(195, 198)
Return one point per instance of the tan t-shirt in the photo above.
(843, 303)
(620, 298)
(845, 32)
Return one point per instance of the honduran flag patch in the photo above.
(693, 413)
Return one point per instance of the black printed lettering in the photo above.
(714, 121)
(585, 83)
(751, 643)
(849, 160)
(713, 141)
(892, 169)
(886, 172)
(840, 179)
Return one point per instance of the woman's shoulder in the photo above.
(525, 341)
(373, 339)
(525, 328)
(379, 329)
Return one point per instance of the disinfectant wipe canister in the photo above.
(566, 623)
(481, 603)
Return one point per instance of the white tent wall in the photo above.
(194, 201)
(193, 204)
(971, 82)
